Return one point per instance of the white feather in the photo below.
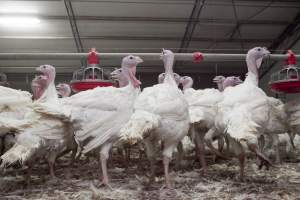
(97, 115)
(140, 123)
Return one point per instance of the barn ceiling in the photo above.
(141, 26)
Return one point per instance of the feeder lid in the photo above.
(92, 57)
(198, 57)
(286, 80)
(291, 60)
(78, 86)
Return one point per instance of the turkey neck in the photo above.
(50, 93)
(220, 86)
(129, 73)
(123, 80)
(51, 90)
(229, 82)
(188, 85)
(65, 91)
(168, 64)
(252, 70)
(37, 91)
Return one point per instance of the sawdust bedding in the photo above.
(221, 182)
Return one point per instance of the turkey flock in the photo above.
(237, 120)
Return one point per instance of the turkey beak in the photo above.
(266, 52)
(162, 53)
(39, 69)
(238, 81)
(114, 76)
(138, 59)
(216, 79)
(181, 80)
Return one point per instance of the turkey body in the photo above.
(46, 133)
(244, 112)
(97, 115)
(160, 114)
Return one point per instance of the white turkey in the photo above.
(219, 80)
(160, 114)
(231, 81)
(244, 112)
(292, 109)
(224, 82)
(97, 115)
(161, 78)
(14, 104)
(38, 86)
(202, 109)
(185, 144)
(46, 135)
(122, 81)
(118, 76)
(277, 128)
(63, 90)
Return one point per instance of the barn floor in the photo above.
(80, 182)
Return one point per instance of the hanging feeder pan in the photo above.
(78, 86)
(286, 80)
(91, 76)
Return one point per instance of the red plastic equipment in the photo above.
(91, 76)
(286, 80)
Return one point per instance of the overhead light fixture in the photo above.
(9, 10)
(17, 7)
(19, 21)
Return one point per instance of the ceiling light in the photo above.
(19, 21)
(17, 10)
(8, 8)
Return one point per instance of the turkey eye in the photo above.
(44, 66)
(131, 57)
(259, 49)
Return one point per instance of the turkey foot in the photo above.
(179, 158)
(209, 140)
(104, 181)
(105, 184)
(264, 161)
(199, 142)
(166, 187)
(166, 162)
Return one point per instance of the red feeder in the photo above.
(91, 76)
(286, 80)
(198, 57)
